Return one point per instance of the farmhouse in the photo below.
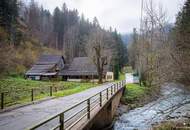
(83, 69)
(47, 67)
(80, 69)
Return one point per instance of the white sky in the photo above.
(124, 15)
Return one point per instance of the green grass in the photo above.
(13, 84)
(19, 89)
(134, 92)
(72, 90)
(121, 77)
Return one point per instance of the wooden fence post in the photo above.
(2, 100)
(32, 94)
(51, 91)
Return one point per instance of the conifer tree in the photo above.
(181, 54)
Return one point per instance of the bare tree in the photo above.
(98, 50)
(152, 45)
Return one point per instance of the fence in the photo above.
(28, 95)
(69, 118)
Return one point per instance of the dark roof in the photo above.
(49, 59)
(39, 69)
(80, 66)
(44, 64)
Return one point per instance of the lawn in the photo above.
(18, 90)
(18, 83)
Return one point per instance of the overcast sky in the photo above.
(123, 15)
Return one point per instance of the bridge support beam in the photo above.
(105, 116)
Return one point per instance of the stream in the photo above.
(173, 104)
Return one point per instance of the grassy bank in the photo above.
(180, 125)
(18, 90)
(134, 92)
(136, 95)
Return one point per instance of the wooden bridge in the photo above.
(88, 110)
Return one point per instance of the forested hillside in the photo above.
(28, 30)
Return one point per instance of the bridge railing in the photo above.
(67, 119)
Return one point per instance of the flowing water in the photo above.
(173, 104)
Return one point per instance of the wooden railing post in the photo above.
(2, 100)
(61, 121)
(100, 99)
(88, 108)
(51, 91)
(32, 94)
(107, 93)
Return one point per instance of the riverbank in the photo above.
(172, 105)
(136, 96)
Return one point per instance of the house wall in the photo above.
(74, 80)
(109, 76)
(34, 77)
(89, 78)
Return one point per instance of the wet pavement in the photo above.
(174, 104)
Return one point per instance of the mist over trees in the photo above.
(30, 30)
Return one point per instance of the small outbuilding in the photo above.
(47, 67)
